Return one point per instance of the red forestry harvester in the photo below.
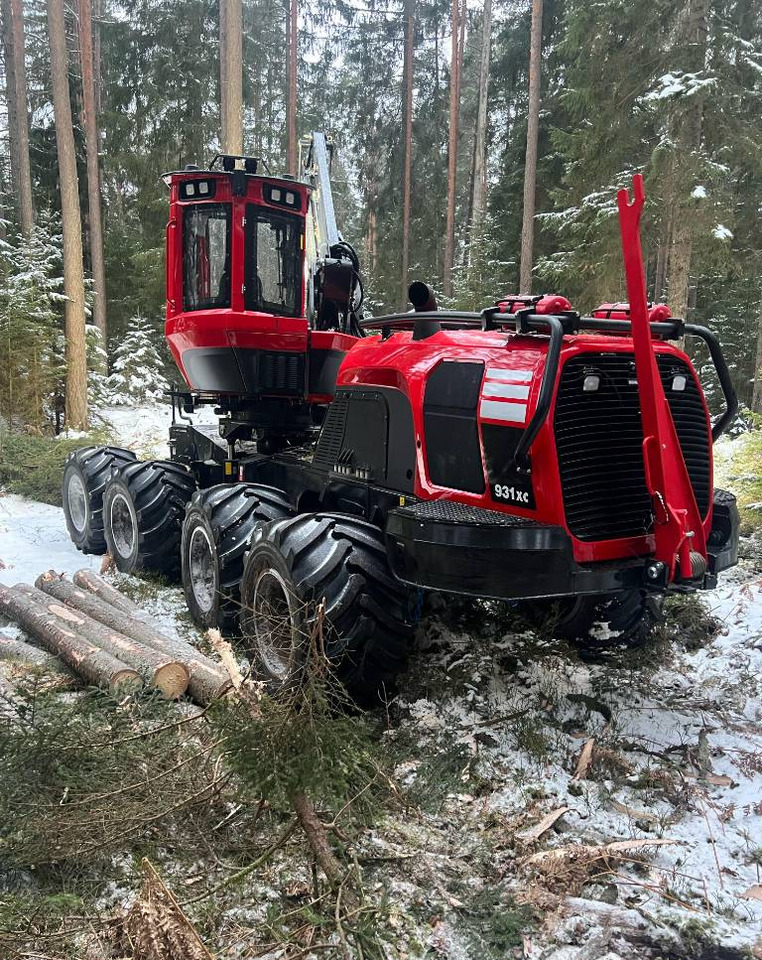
(524, 452)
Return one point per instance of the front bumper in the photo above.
(441, 545)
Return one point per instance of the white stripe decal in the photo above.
(499, 373)
(508, 391)
(507, 412)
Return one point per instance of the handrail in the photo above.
(723, 375)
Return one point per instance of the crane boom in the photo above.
(336, 292)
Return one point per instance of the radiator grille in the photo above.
(281, 372)
(599, 440)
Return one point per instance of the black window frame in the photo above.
(216, 302)
(256, 214)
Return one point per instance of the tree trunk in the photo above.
(74, 281)
(530, 163)
(97, 14)
(223, 30)
(317, 838)
(17, 651)
(207, 680)
(756, 398)
(163, 672)
(87, 580)
(231, 75)
(687, 141)
(407, 87)
(452, 152)
(18, 111)
(479, 184)
(96, 666)
(293, 65)
(92, 140)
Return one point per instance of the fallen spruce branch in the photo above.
(156, 927)
(94, 664)
(568, 866)
(250, 693)
(206, 680)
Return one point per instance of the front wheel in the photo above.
(602, 622)
(298, 563)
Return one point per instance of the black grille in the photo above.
(281, 372)
(599, 440)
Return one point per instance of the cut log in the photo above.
(18, 652)
(207, 679)
(161, 671)
(96, 666)
(92, 583)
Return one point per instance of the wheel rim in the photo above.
(123, 525)
(202, 571)
(76, 499)
(274, 623)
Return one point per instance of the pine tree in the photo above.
(407, 113)
(74, 281)
(137, 368)
(18, 111)
(530, 162)
(31, 354)
(92, 140)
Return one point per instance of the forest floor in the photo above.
(514, 766)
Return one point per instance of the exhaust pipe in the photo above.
(422, 297)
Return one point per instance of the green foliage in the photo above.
(494, 922)
(303, 741)
(33, 465)
(744, 478)
(31, 354)
(78, 780)
(137, 373)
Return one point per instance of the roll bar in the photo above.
(558, 326)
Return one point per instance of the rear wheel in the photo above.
(86, 473)
(599, 623)
(295, 564)
(216, 534)
(143, 506)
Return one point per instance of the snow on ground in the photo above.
(34, 538)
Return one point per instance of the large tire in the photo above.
(143, 509)
(595, 624)
(217, 531)
(295, 564)
(86, 473)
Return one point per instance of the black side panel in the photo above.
(452, 434)
(324, 368)
(400, 460)
(507, 484)
(368, 434)
(213, 368)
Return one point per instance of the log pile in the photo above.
(101, 635)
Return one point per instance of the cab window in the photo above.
(273, 269)
(206, 256)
